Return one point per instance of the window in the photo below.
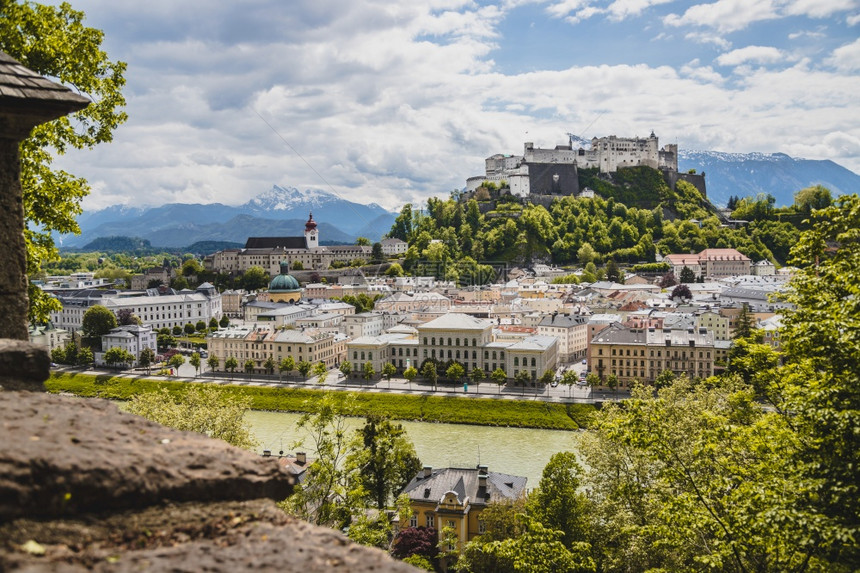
(413, 521)
(457, 341)
(430, 520)
(516, 360)
(449, 341)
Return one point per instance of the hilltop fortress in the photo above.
(553, 172)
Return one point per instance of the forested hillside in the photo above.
(608, 227)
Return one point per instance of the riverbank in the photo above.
(419, 407)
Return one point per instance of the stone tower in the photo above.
(311, 234)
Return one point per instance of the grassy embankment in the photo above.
(450, 409)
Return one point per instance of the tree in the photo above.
(231, 364)
(97, 321)
(255, 278)
(537, 550)
(304, 368)
(415, 541)
(664, 379)
(819, 382)
(569, 379)
(699, 473)
(477, 375)
(176, 361)
(546, 378)
(371, 531)
(586, 254)
(522, 378)
(269, 365)
(394, 270)
(559, 503)
(668, 280)
(248, 367)
(189, 329)
(126, 317)
(389, 370)
(346, 368)
(321, 372)
(224, 322)
(687, 275)
(428, 371)
(613, 273)
(362, 241)
(499, 377)
(745, 323)
(287, 364)
(58, 355)
(213, 362)
(455, 372)
(376, 254)
(200, 408)
(382, 460)
(213, 323)
(681, 291)
(200, 326)
(84, 356)
(322, 498)
(298, 266)
(146, 358)
(195, 361)
(810, 198)
(410, 374)
(116, 355)
(367, 371)
(612, 382)
(52, 41)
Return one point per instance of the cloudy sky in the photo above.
(393, 101)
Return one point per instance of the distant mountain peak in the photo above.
(289, 198)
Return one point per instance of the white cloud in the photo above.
(846, 58)
(622, 9)
(708, 38)
(817, 8)
(853, 19)
(725, 15)
(393, 102)
(750, 54)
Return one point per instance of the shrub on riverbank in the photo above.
(450, 409)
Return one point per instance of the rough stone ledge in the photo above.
(23, 366)
(63, 456)
(215, 536)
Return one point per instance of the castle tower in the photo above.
(311, 234)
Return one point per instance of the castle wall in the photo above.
(696, 180)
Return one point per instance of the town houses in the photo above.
(524, 325)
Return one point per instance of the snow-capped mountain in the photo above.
(747, 174)
(278, 211)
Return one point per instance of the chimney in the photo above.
(482, 480)
(301, 458)
(267, 453)
(427, 471)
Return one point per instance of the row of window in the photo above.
(456, 341)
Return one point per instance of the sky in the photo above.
(392, 101)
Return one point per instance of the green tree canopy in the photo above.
(97, 320)
(201, 408)
(382, 460)
(53, 41)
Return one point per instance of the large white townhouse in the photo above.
(157, 311)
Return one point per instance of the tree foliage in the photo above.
(382, 460)
(97, 321)
(201, 408)
(53, 41)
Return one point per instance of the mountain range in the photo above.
(283, 211)
(748, 174)
(280, 211)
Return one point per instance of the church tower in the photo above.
(311, 234)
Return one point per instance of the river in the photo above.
(516, 451)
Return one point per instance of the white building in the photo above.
(132, 338)
(394, 246)
(157, 311)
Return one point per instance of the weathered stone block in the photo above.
(23, 366)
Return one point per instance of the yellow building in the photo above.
(455, 497)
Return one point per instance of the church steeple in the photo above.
(311, 234)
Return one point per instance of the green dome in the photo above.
(284, 282)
